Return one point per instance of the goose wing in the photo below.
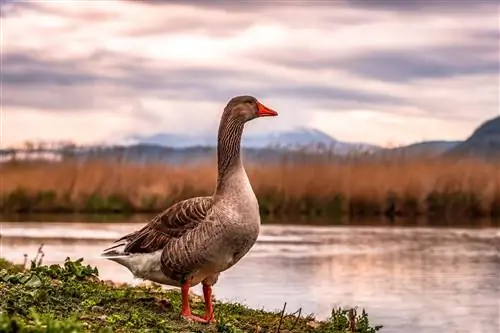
(173, 223)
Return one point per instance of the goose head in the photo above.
(246, 108)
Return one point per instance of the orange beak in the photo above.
(264, 111)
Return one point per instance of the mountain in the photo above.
(484, 142)
(295, 145)
(299, 144)
(422, 149)
(298, 138)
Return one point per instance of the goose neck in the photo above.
(228, 152)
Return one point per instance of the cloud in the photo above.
(32, 82)
(135, 66)
(376, 124)
(422, 5)
(50, 85)
(407, 65)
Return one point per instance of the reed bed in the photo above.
(418, 187)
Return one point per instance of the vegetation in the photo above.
(71, 298)
(320, 189)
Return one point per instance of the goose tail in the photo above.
(115, 252)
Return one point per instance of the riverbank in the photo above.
(399, 188)
(71, 298)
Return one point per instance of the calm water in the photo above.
(408, 279)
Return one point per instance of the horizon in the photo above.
(105, 70)
(134, 139)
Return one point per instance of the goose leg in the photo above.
(186, 309)
(209, 309)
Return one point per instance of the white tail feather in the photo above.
(113, 256)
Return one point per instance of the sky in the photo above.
(386, 72)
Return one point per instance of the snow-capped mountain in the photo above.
(298, 138)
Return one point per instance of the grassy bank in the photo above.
(408, 188)
(71, 298)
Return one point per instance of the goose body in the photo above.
(194, 240)
(220, 233)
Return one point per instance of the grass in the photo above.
(320, 189)
(71, 298)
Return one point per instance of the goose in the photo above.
(194, 240)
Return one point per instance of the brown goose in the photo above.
(196, 239)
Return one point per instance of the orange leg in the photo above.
(209, 309)
(186, 310)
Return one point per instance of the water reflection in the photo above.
(408, 279)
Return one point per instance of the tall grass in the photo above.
(315, 189)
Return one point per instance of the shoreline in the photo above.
(324, 221)
(438, 206)
(71, 298)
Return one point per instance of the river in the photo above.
(408, 279)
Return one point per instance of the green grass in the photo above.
(71, 298)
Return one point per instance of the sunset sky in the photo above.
(376, 71)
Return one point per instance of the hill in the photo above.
(421, 149)
(483, 143)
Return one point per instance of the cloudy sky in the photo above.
(378, 71)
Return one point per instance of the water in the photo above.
(408, 279)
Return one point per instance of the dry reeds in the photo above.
(315, 189)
